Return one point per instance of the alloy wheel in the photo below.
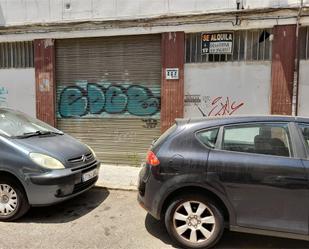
(194, 222)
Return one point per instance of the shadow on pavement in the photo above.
(67, 211)
(230, 240)
(157, 229)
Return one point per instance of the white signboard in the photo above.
(172, 73)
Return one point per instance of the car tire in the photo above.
(200, 227)
(13, 200)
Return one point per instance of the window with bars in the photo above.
(304, 43)
(248, 45)
(16, 54)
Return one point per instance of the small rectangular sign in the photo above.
(217, 43)
(172, 73)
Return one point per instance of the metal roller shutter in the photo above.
(108, 94)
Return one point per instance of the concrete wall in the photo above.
(303, 99)
(19, 12)
(17, 90)
(215, 89)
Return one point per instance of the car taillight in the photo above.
(152, 159)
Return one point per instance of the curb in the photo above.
(118, 177)
(100, 185)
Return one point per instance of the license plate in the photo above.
(89, 175)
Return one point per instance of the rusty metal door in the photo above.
(108, 94)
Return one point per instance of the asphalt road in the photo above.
(109, 219)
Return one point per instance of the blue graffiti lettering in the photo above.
(94, 99)
(140, 102)
(116, 100)
(73, 103)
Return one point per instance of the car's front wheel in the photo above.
(194, 221)
(13, 200)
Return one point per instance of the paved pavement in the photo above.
(110, 219)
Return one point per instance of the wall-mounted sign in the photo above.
(172, 73)
(217, 43)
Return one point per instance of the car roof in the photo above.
(224, 120)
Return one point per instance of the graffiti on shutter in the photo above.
(103, 99)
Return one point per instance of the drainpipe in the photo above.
(297, 62)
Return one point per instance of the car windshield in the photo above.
(20, 125)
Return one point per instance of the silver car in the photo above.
(40, 165)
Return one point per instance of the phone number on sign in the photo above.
(220, 47)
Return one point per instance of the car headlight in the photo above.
(46, 161)
(92, 151)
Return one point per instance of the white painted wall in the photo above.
(17, 90)
(303, 99)
(228, 88)
(19, 12)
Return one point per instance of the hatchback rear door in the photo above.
(263, 178)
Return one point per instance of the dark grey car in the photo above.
(248, 174)
(40, 165)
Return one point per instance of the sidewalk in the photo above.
(118, 177)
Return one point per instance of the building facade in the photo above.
(115, 74)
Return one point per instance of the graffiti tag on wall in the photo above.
(224, 106)
(150, 123)
(88, 99)
(3, 96)
(214, 106)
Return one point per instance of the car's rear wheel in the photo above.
(13, 200)
(194, 221)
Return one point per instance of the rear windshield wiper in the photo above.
(38, 133)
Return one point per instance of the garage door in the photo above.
(108, 94)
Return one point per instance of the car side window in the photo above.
(208, 137)
(305, 131)
(268, 139)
